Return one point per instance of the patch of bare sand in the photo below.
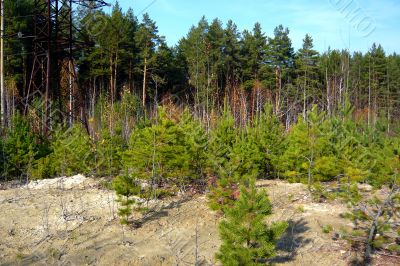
(53, 225)
(304, 243)
(45, 224)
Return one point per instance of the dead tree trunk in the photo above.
(374, 227)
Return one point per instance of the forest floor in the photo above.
(73, 221)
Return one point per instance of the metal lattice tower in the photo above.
(53, 48)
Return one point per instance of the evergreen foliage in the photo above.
(246, 238)
(307, 71)
(327, 117)
(268, 134)
(107, 157)
(19, 149)
(71, 153)
(222, 180)
(222, 139)
(196, 145)
(126, 187)
(166, 151)
(307, 154)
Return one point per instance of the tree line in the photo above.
(213, 63)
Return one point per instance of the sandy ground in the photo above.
(73, 221)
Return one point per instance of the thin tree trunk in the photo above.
(115, 75)
(130, 85)
(374, 227)
(70, 94)
(304, 95)
(389, 106)
(328, 101)
(144, 82)
(234, 103)
(369, 93)
(252, 103)
(93, 97)
(3, 96)
(279, 90)
(111, 79)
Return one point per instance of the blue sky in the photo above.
(340, 24)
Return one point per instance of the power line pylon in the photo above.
(53, 60)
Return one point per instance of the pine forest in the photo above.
(264, 150)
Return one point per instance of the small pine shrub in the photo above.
(72, 153)
(222, 139)
(165, 152)
(246, 238)
(126, 187)
(20, 148)
(195, 144)
(43, 169)
(223, 193)
(307, 143)
(108, 152)
(268, 134)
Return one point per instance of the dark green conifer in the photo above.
(246, 238)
